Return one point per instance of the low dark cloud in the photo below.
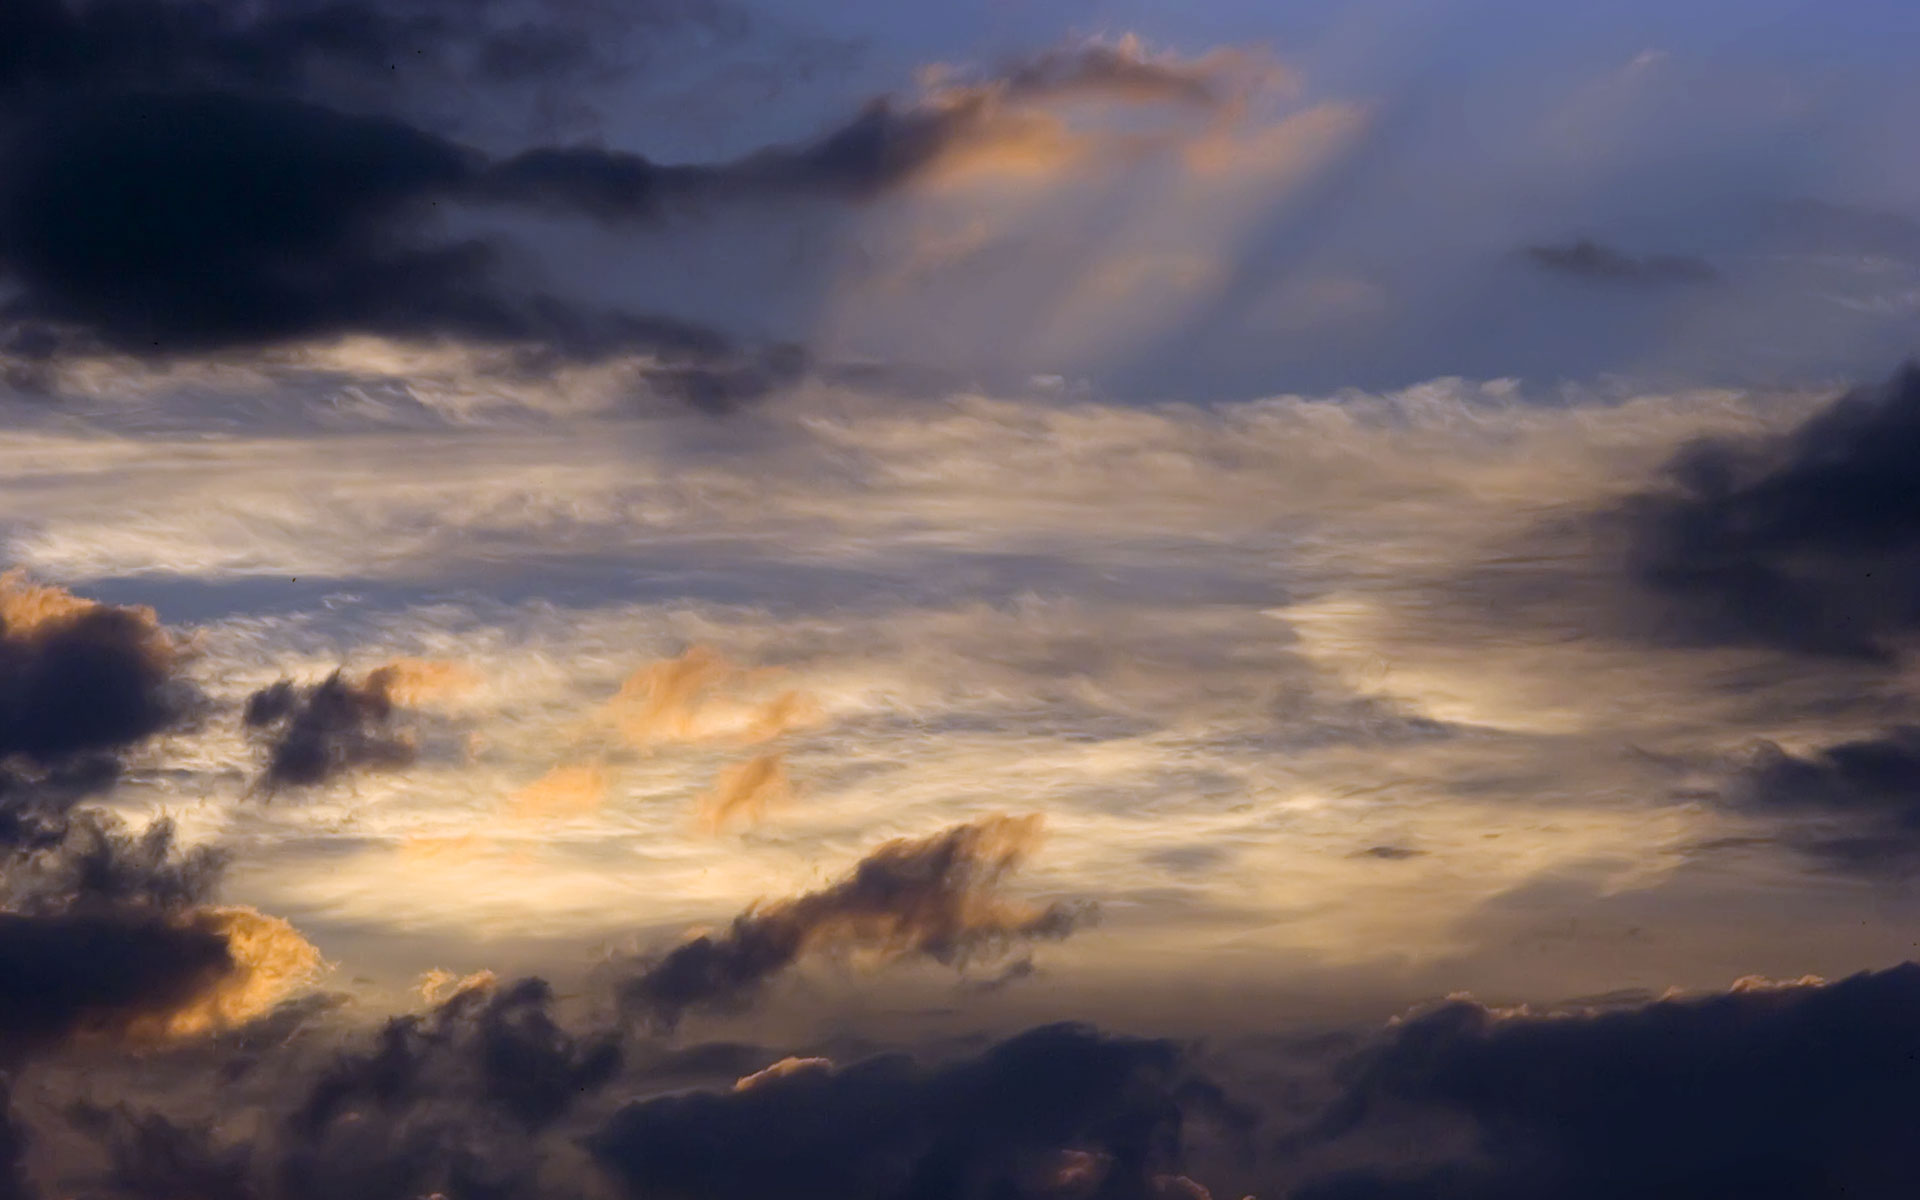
(199, 177)
(1590, 260)
(1060, 1111)
(315, 733)
(103, 972)
(105, 930)
(192, 177)
(13, 1150)
(1768, 1093)
(936, 897)
(147, 1156)
(1806, 541)
(79, 678)
(500, 1046)
(451, 1101)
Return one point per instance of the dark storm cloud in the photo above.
(182, 223)
(79, 972)
(319, 732)
(80, 678)
(451, 1101)
(1764, 1093)
(197, 177)
(13, 1150)
(103, 929)
(348, 50)
(147, 1156)
(1058, 1111)
(100, 928)
(1854, 805)
(1877, 775)
(1590, 260)
(201, 177)
(1806, 541)
(935, 897)
(89, 859)
(498, 1046)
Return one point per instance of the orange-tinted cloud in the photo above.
(702, 695)
(745, 792)
(575, 790)
(269, 961)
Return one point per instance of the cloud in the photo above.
(13, 1150)
(1805, 541)
(78, 677)
(936, 897)
(1590, 260)
(745, 792)
(575, 790)
(238, 185)
(1774, 1092)
(700, 695)
(149, 1154)
(450, 1101)
(1026, 1111)
(493, 1044)
(1853, 804)
(320, 732)
(105, 932)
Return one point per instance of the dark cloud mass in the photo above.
(1590, 260)
(102, 929)
(13, 1150)
(100, 926)
(101, 972)
(1767, 1093)
(1854, 804)
(79, 678)
(1059, 1111)
(319, 732)
(184, 177)
(935, 897)
(1807, 541)
(198, 176)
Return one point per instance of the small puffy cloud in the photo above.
(319, 732)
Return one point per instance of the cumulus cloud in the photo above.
(936, 897)
(319, 732)
(78, 677)
(108, 933)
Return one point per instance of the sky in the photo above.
(1064, 600)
